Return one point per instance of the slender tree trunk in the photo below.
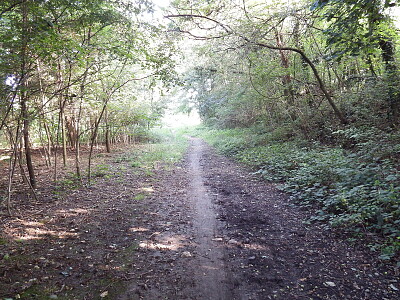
(32, 188)
(94, 137)
(23, 93)
(388, 57)
(63, 136)
(27, 146)
(50, 143)
(62, 103)
(77, 142)
(47, 148)
(108, 140)
(44, 146)
(107, 132)
(57, 145)
(9, 109)
(13, 163)
(286, 79)
(82, 94)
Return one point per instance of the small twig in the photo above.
(62, 288)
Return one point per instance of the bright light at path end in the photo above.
(181, 119)
(161, 3)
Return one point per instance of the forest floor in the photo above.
(205, 228)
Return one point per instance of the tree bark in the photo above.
(286, 79)
(24, 95)
(94, 136)
(107, 135)
(28, 152)
(388, 57)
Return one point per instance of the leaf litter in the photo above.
(99, 242)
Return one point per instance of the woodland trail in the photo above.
(210, 275)
(247, 241)
(205, 229)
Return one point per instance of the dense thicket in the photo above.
(307, 92)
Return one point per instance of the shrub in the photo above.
(358, 189)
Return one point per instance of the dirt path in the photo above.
(210, 276)
(245, 240)
(206, 229)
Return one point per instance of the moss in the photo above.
(139, 197)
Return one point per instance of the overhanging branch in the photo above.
(321, 84)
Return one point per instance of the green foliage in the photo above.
(139, 197)
(101, 170)
(358, 190)
(166, 148)
(70, 182)
(81, 56)
(360, 27)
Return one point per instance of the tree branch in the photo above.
(10, 8)
(225, 27)
(321, 84)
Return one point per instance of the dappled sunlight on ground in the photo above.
(45, 227)
(147, 189)
(255, 246)
(4, 157)
(138, 229)
(168, 242)
(72, 212)
(33, 230)
(252, 246)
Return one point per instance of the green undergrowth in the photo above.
(355, 189)
(166, 147)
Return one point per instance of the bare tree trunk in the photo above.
(9, 109)
(23, 93)
(286, 79)
(107, 137)
(77, 142)
(27, 146)
(50, 143)
(82, 93)
(388, 57)
(32, 188)
(13, 163)
(60, 131)
(44, 146)
(94, 136)
(63, 136)
(47, 148)
(57, 145)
